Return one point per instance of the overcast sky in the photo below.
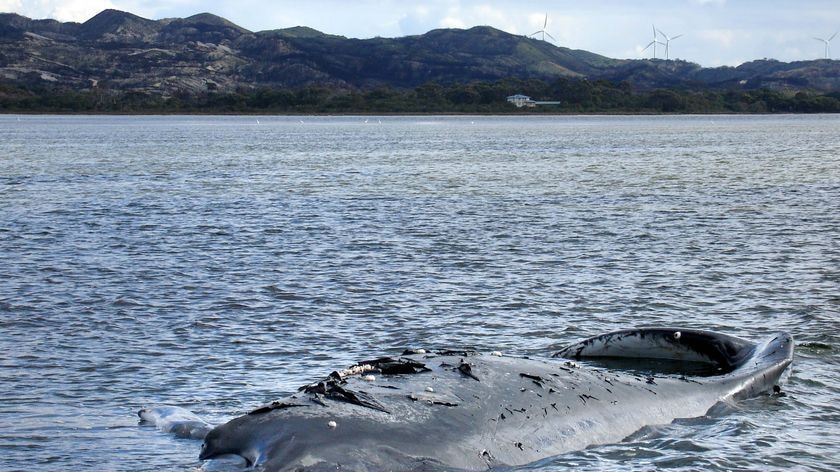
(715, 32)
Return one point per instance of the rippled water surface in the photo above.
(218, 263)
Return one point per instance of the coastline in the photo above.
(400, 114)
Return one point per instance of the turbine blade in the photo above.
(663, 34)
(648, 46)
(545, 23)
(536, 33)
(833, 35)
(550, 36)
(819, 39)
(675, 37)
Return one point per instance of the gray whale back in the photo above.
(470, 411)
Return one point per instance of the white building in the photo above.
(522, 101)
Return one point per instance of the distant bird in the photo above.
(543, 31)
(653, 43)
(667, 41)
(827, 44)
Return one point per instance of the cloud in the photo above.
(62, 10)
(447, 14)
(11, 5)
(452, 22)
(79, 10)
(487, 15)
(721, 37)
(482, 14)
(416, 20)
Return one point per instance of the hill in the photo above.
(119, 51)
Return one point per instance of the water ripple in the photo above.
(205, 262)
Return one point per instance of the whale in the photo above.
(466, 410)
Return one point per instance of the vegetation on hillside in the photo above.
(575, 95)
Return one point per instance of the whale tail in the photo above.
(757, 365)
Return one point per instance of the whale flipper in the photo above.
(176, 420)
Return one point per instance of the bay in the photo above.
(218, 263)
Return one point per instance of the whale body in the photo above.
(470, 411)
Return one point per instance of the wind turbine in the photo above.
(667, 41)
(653, 43)
(543, 31)
(827, 44)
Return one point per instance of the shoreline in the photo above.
(341, 114)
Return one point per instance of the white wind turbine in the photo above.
(827, 44)
(667, 41)
(653, 43)
(543, 31)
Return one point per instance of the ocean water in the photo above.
(218, 263)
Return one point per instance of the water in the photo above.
(218, 263)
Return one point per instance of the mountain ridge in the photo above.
(205, 53)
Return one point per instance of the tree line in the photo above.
(575, 95)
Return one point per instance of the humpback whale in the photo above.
(463, 410)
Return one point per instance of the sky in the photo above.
(714, 32)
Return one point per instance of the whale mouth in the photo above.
(724, 353)
(649, 366)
